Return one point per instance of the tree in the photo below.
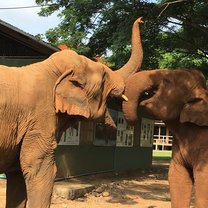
(103, 28)
(191, 17)
(185, 38)
(99, 28)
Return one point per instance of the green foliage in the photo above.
(177, 59)
(186, 45)
(175, 33)
(94, 28)
(194, 31)
(39, 37)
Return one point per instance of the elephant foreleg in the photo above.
(39, 184)
(201, 190)
(181, 184)
(201, 183)
(16, 190)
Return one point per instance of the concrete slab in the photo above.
(72, 190)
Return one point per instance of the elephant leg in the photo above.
(16, 190)
(201, 186)
(201, 190)
(181, 184)
(39, 184)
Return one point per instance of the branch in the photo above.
(189, 23)
(192, 43)
(168, 4)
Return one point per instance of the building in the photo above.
(19, 48)
(90, 147)
(162, 137)
(95, 148)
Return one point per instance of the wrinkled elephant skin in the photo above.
(38, 102)
(180, 99)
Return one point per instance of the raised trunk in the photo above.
(134, 63)
(135, 86)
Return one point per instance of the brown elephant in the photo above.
(38, 102)
(179, 98)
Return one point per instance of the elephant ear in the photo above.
(70, 96)
(196, 112)
(108, 120)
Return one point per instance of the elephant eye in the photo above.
(195, 100)
(76, 83)
(148, 94)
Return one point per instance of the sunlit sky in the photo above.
(27, 20)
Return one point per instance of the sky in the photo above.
(27, 20)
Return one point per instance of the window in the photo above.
(125, 132)
(104, 134)
(147, 129)
(71, 136)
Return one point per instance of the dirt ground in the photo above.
(141, 189)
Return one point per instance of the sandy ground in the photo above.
(141, 189)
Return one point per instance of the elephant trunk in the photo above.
(136, 85)
(135, 61)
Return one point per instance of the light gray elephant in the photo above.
(38, 102)
(180, 99)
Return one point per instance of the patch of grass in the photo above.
(161, 155)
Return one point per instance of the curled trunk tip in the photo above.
(135, 61)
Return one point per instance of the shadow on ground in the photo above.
(128, 188)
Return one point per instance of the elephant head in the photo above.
(84, 85)
(168, 95)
